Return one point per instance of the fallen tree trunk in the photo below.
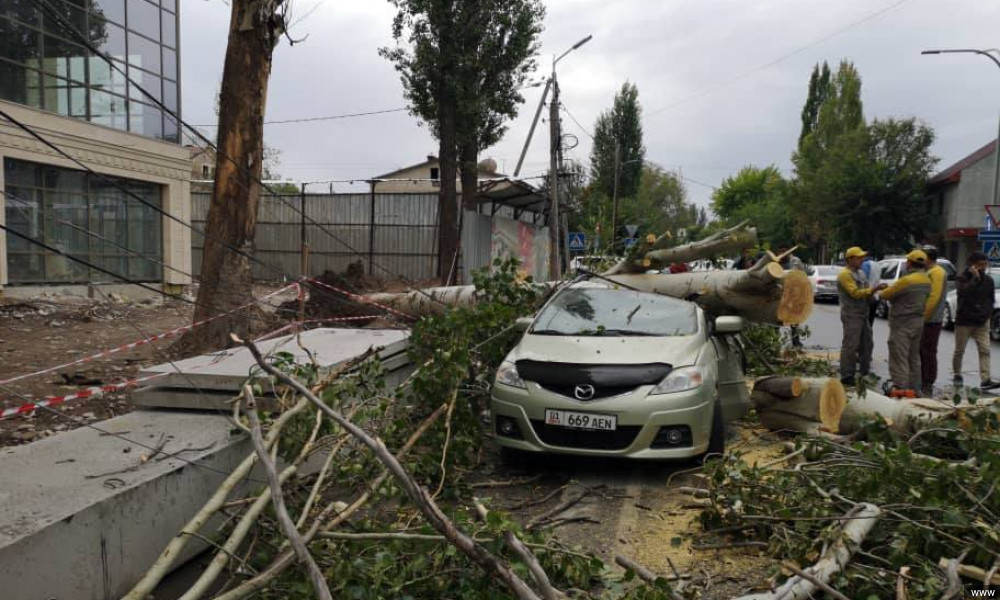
(904, 415)
(782, 387)
(729, 241)
(765, 293)
(858, 523)
(821, 402)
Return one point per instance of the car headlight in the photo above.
(680, 380)
(507, 375)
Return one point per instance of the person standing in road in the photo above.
(934, 316)
(855, 298)
(972, 319)
(906, 324)
(874, 274)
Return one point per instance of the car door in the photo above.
(733, 392)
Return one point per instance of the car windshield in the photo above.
(607, 312)
(827, 271)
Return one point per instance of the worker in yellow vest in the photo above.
(907, 314)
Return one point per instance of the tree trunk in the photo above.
(469, 155)
(782, 387)
(764, 293)
(821, 402)
(904, 415)
(731, 240)
(448, 234)
(226, 280)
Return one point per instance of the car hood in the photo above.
(593, 350)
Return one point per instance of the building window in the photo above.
(90, 217)
(206, 172)
(435, 176)
(44, 64)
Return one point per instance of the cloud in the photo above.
(721, 82)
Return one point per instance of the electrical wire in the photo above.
(572, 118)
(326, 118)
(779, 59)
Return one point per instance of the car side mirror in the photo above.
(523, 323)
(729, 324)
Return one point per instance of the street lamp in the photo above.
(988, 53)
(554, 151)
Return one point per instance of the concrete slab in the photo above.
(212, 381)
(227, 370)
(83, 515)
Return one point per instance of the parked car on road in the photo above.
(824, 280)
(617, 372)
(894, 267)
(951, 307)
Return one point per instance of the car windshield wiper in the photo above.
(548, 332)
(625, 332)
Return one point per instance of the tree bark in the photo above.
(822, 401)
(469, 155)
(731, 240)
(782, 387)
(226, 280)
(904, 415)
(448, 234)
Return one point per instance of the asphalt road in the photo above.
(826, 333)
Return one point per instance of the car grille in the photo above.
(600, 391)
(565, 437)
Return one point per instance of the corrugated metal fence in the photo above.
(392, 234)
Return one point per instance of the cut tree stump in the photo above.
(820, 406)
(782, 387)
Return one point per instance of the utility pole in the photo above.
(614, 197)
(555, 136)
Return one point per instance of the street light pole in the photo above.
(555, 136)
(614, 198)
(988, 53)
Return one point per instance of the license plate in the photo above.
(578, 420)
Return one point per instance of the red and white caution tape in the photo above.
(91, 392)
(298, 324)
(361, 299)
(149, 340)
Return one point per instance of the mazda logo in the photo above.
(584, 392)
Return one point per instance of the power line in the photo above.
(327, 118)
(582, 128)
(779, 59)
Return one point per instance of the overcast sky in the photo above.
(721, 82)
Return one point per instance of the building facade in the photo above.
(956, 199)
(89, 162)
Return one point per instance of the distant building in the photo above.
(83, 105)
(956, 199)
(202, 168)
(425, 177)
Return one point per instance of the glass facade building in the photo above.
(44, 65)
(90, 217)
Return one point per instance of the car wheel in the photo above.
(949, 322)
(717, 440)
(995, 326)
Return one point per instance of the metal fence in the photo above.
(393, 235)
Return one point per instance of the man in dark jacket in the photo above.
(972, 319)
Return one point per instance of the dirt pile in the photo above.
(334, 299)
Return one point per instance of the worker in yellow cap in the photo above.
(934, 318)
(907, 314)
(855, 295)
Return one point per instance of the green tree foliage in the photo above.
(620, 127)
(759, 195)
(660, 204)
(819, 90)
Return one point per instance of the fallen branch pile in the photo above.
(906, 507)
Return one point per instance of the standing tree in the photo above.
(461, 71)
(819, 91)
(759, 195)
(839, 121)
(255, 27)
(621, 128)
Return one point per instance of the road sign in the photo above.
(631, 229)
(682, 233)
(989, 236)
(988, 223)
(993, 212)
(629, 242)
(992, 251)
(577, 241)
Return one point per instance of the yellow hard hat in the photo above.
(917, 256)
(854, 251)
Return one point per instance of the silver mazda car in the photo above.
(603, 370)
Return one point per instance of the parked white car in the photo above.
(951, 307)
(616, 372)
(824, 281)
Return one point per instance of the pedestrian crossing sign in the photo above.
(992, 251)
